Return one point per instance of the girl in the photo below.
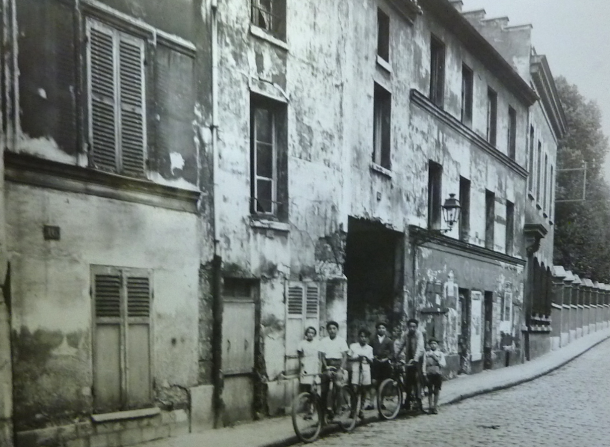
(309, 358)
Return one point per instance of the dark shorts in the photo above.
(435, 382)
(381, 370)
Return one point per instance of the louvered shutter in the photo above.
(102, 95)
(107, 284)
(131, 98)
(138, 356)
(295, 301)
(311, 301)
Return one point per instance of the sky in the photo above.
(574, 36)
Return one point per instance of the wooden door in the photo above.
(238, 347)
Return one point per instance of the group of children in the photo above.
(370, 360)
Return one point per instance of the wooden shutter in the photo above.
(108, 335)
(138, 352)
(295, 300)
(131, 99)
(102, 90)
(122, 347)
(312, 300)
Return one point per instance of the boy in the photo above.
(434, 360)
(333, 352)
(361, 355)
(383, 351)
(412, 343)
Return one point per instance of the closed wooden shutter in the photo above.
(312, 300)
(108, 336)
(138, 359)
(295, 301)
(132, 126)
(116, 85)
(122, 356)
(102, 91)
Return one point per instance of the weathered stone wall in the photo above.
(52, 306)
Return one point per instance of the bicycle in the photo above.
(391, 392)
(309, 412)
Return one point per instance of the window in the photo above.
(507, 303)
(490, 218)
(435, 179)
(492, 116)
(467, 92)
(510, 227)
(268, 157)
(465, 211)
(122, 338)
(383, 35)
(381, 127)
(270, 15)
(552, 194)
(116, 100)
(530, 167)
(545, 207)
(538, 173)
(512, 133)
(437, 71)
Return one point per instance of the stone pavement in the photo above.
(566, 408)
(278, 431)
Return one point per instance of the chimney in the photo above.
(457, 4)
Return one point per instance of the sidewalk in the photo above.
(278, 432)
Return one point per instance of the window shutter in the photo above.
(138, 297)
(312, 300)
(138, 349)
(132, 125)
(107, 296)
(295, 300)
(102, 96)
(108, 339)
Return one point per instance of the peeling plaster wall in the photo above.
(52, 313)
(309, 79)
(54, 122)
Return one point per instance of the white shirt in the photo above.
(310, 361)
(333, 349)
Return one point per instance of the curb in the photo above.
(293, 440)
(520, 381)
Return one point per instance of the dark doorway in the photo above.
(374, 270)
(464, 330)
(487, 335)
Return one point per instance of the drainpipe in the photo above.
(217, 304)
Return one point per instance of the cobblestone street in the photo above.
(566, 408)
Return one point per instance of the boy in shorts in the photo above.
(361, 355)
(434, 361)
(333, 353)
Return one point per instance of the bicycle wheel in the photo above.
(306, 418)
(389, 399)
(347, 409)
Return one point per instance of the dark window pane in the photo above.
(264, 197)
(262, 119)
(264, 160)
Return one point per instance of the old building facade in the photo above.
(107, 198)
(189, 187)
(546, 125)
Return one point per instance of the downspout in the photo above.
(217, 304)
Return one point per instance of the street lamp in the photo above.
(451, 212)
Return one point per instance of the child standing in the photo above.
(361, 354)
(309, 358)
(434, 360)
